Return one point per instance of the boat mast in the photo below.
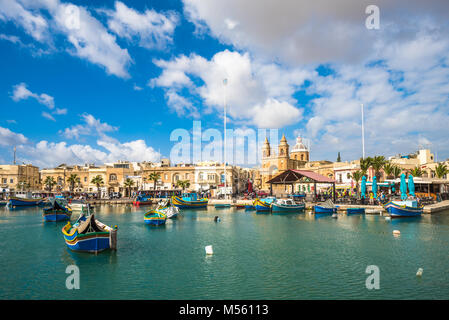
(225, 82)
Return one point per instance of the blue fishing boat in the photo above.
(406, 208)
(23, 202)
(325, 208)
(355, 211)
(250, 208)
(222, 205)
(155, 218)
(264, 205)
(286, 205)
(189, 201)
(59, 211)
(142, 200)
(89, 235)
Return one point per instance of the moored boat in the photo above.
(142, 201)
(407, 208)
(155, 217)
(81, 206)
(23, 202)
(167, 208)
(190, 201)
(250, 207)
(325, 208)
(222, 205)
(355, 210)
(286, 205)
(263, 205)
(89, 235)
(59, 211)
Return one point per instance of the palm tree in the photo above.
(388, 169)
(98, 182)
(183, 184)
(357, 176)
(441, 170)
(50, 183)
(154, 176)
(416, 172)
(377, 164)
(396, 172)
(365, 164)
(128, 185)
(72, 180)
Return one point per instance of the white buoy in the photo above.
(209, 250)
(396, 232)
(387, 218)
(419, 273)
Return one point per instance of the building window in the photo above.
(166, 176)
(4, 181)
(113, 177)
(85, 179)
(348, 175)
(11, 181)
(302, 157)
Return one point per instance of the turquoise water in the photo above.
(256, 256)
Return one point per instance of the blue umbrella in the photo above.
(393, 189)
(363, 189)
(375, 187)
(411, 185)
(403, 187)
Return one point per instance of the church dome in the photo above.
(299, 146)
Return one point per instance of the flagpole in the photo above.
(225, 82)
(363, 135)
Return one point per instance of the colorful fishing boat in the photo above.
(80, 206)
(325, 208)
(142, 200)
(89, 235)
(355, 211)
(239, 206)
(264, 205)
(190, 201)
(59, 211)
(222, 205)
(406, 208)
(286, 205)
(155, 218)
(167, 208)
(250, 207)
(23, 202)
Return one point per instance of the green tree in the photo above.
(129, 183)
(416, 172)
(377, 163)
(98, 182)
(154, 176)
(396, 172)
(441, 170)
(357, 176)
(388, 169)
(183, 184)
(73, 180)
(365, 164)
(338, 157)
(49, 182)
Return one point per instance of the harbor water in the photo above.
(255, 256)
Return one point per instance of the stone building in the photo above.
(13, 178)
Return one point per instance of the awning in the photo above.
(296, 176)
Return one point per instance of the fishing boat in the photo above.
(355, 211)
(155, 217)
(286, 205)
(88, 234)
(142, 200)
(189, 201)
(250, 207)
(222, 205)
(80, 206)
(240, 206)
(23, 202)
(167, 208)
(59, 211)
(3, 203)
(264, 204)
(405, 208)
(326, 207)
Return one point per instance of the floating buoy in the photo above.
(217, 219)
(396, 232)
(419, 273)
(209, 250)
(387, 218)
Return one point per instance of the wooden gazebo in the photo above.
(290, 177)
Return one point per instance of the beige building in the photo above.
(15, 178)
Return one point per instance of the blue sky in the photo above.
(116, 81)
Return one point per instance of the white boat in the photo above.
(78, 205)
(168, 209)
(286, 205)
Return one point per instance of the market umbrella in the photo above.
(363, 188)
(393, 189)
(411, 185)
(403, 187)
(375, 187)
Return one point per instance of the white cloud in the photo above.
(91, 126)
(253, 87)
(9, 138)
(153, 30)
(48, 116)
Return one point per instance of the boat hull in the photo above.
(55, 216)
(355, 211)
(18, 202)
(92, 242)
(222, 206)
(250, 208)
(155, 218)
(286, 209)
(183, 204)
(397, 211)
(323, 210)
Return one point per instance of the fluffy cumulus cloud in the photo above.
(253, 89)
(151, 29)
(46, 154)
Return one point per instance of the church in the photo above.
(285, 159)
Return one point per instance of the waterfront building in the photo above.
(14, 178)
